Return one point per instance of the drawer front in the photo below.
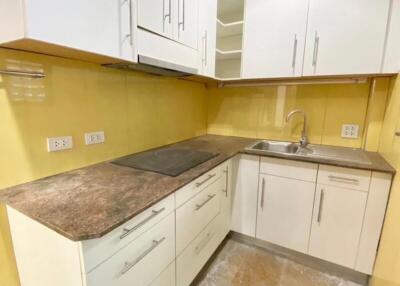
(195, 256)
(193, 188)
(192, 217)
(289, 169)
(140, 262)
(344, 177)
(167, 277)
(98, 250)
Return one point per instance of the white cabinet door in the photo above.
(92, 26)
(337, 223)
(186, 17)
(274, 38)
(156, 16)
(285, 211)
(207, 37)
(244, 197)
(391, 62)
(345, 37)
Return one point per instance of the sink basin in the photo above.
(276, 147)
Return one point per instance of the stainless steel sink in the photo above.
(327, 153)
(276, 147)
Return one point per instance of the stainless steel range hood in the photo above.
(156, 67)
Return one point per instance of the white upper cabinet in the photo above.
(101, 27)
(274, 38)
(345, 37)
(207, 37)
(391, 63)
(156, 16)
(187, 22)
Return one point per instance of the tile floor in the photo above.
(239, 264)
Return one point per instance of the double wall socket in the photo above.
(59, 143)
(350, 131)
(94, 138)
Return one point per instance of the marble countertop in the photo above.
(88, 203)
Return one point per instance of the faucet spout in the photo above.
(304, 138)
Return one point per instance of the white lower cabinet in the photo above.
(167, 277)
(141, 261)
(244, 194)
(337, 224)
(193, 258)
(285, 211)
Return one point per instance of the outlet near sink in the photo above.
(59, 143)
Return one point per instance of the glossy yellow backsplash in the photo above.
(387, 268)
(260, 112)
(136, 112)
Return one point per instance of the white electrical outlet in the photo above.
(350, 131)
(94, 138)
(59, 143)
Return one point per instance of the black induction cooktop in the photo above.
(167, 161)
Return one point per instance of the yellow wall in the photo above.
(387, 268)
(136, 112)
(260, 112)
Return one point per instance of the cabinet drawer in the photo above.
(190, 190)
(195, 256)
(193, 216)
(167, 277)
(344, 177)
(140, 262)
(97, 250)
(288, 168)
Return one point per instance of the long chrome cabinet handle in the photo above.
(203, 243)
(294, 56)
(128, 231)
(181, 22)
(337, 178)
(166, 15)
(128, 265)
(130, 23)
(226, 171)
(205, 48)
(210, 197)
(316, 48)
(205, 180)
(321, 203)
(262, 193)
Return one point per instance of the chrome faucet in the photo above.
(303, 139)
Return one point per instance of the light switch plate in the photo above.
(350, 131)
(59, 143)
(94, 138)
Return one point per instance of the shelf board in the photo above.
(229, 29)
(228, 55)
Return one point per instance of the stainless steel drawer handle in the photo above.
(210, 197)
(206, 180)
(262, 193)
(128, 231)
(128, 265)
(337, 178)
(203, 243)
(321, 205)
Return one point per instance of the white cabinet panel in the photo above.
(207, 37)
(345, 37)
(142, 261)
(344, 177)
(156, 16)
(186, 17)
(337, 223)
(391, 62)
(226, 198)
(85, 25)
(245, 190)
(304, 171)
(167, 277)
(274, 38)
(285, 212)
(373, 221)
(192, 217)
